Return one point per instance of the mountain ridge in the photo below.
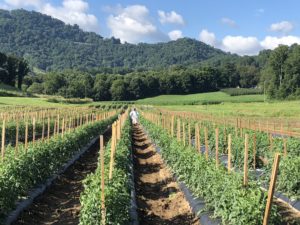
(50, 44)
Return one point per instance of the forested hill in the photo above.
(50, 44)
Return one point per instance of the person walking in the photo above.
(134, 115)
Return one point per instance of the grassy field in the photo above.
(256, 109)
(199, 99)
(244, 105)
(5, 101)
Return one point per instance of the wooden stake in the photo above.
(246, 161)
(271, 188)
(3, 141)
(103, 213)
(178, 130)
(112, 150)
(17, 140)
(26, 137)
(118, 129)
(62, 127)
(206, 142)
(229, 153)
(189, 135)
(172, 127)
(43, 130)
(33, 130)
(48, 134)
(183, 133)
(217, 147)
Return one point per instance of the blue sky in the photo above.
(238, 26)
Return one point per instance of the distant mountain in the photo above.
(50, 44)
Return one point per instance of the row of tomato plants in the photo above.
(224, 193)
(11, 129)
(289, 172)
(41, 160)
(117, 190)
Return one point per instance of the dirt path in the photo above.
(159, 198)
(60, 204)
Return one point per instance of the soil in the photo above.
(60, 204)
(159, 198)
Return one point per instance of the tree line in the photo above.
(12, 70)
(137, 84)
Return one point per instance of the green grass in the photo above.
(13, 101)
(284, 109)
(200, 99)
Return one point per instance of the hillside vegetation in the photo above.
(50, 44)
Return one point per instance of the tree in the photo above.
(36, 88)
(101, 88)
(136, 87)
(118, 90)
(53, 82)
(276, 62)
(23, 70)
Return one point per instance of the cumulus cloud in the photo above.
(246, 45)
(241, 45)
(283, 26)
(228, 22)
(272, 42)
(170, 17)
(175, 34)
(133, 24)
(208, 38)
(23, 3)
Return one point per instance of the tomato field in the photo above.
(171, 168)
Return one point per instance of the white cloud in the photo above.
(170, 17)
(272, 42)
(23, 3)
(246, 45)
(283, 26)
(228, 22)
(208, 37)
(175, 34)
(241, 45)
(132, 24)
(73, 12)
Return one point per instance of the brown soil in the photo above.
(60, 204)
(159, 199)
